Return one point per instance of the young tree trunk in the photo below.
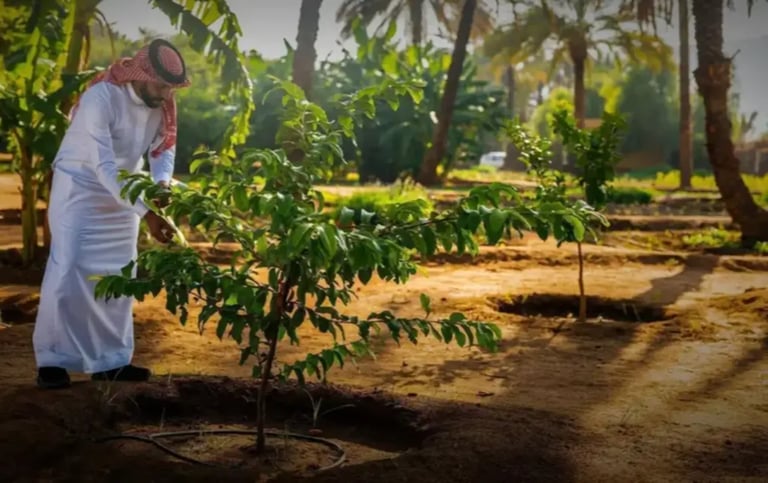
(686, 138)
(713, 77)
(305, 55)
(436, 152)
(28, 208)
(271, 333)
(582, 294)
(261, 404)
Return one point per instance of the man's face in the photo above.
(153, 93)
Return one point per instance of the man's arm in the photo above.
(94, 116)
(161, 166)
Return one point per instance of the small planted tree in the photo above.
(296, 262)
(566, 219)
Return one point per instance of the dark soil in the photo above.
(561, 305)
(57, 436)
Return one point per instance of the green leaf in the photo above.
(328, 240)
(494, 225)
(300, 235)
(577, 226)
(461, 339)
(242, 202)
(425, 303)
(346, 216)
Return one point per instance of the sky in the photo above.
(267, 23)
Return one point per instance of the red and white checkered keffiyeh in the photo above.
(139, 68)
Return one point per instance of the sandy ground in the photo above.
(683, 399)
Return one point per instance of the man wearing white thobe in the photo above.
(127, 110)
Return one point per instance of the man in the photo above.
(127, 110)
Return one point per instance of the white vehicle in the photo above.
(494, 159)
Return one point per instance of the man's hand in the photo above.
(163, 199)
(160, 229)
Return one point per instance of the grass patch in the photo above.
(378, 200)
(718, 238)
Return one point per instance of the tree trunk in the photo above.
(579, 92)
(28, 207)
(582, 294)
(416, 14)
(686, 137)
(713, 77)
(436, 152)
(510, 160)
(305, 55)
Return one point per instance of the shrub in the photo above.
(629, 196)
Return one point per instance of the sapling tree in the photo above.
(297, 262)
(596, 152)
(566, 219)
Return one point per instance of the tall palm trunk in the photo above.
(304, 58)
(579, 92)
(428, 172)
(510, 160)
(416, 14)
(686, 135)
(713, 77)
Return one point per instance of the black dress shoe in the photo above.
(52, 378)
(126, 373)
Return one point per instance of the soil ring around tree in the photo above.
(566, 305)
(208, 424)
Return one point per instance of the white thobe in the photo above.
(94, 231)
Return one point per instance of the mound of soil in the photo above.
(65, 436)
(19, 308)
(562, 305)
(753, 300)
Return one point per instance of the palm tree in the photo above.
(304, 57)
(448, 13)
(428, 171)
(713, 78)
(686, 120)
(580, 33)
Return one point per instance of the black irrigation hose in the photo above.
(152, 439)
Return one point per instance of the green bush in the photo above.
(629, 196)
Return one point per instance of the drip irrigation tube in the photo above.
(153, 439)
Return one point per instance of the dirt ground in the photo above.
(681, 398)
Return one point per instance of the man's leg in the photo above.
(120, 310)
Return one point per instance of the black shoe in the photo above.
(52, 378)
(126, 373)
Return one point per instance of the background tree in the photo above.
(305, 55)
(713, 78)
(448, 13)
(580, 32)
(436, 152)
(686, 120)
(30, 95)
